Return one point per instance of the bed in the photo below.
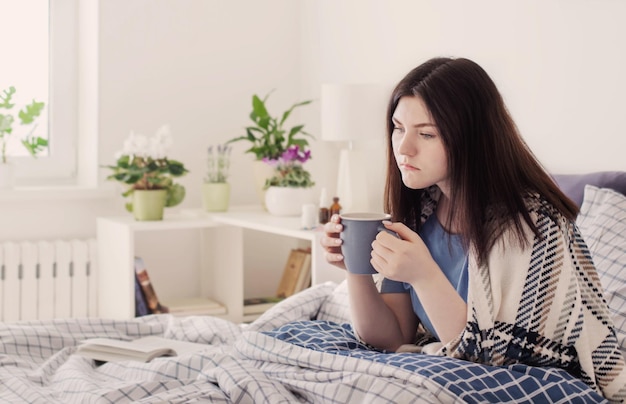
(303, 349)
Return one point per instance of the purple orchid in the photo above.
(294, 153)
(289, 157)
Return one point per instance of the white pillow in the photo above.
(602, 223)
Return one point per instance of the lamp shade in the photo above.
(351, 112)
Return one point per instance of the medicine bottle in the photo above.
(335, 207)
(324, 214)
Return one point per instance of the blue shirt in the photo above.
(448, 252)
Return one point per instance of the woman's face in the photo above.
(417, 146)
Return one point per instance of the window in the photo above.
(40, 44)
(25, 67)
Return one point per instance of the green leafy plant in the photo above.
(218, 164)
(268, 138)
(288, 170)
(143, 165)
(26, 116)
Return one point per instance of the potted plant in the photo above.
(291, 185)
(27, 117)
(216, 189)
(269, 138)
(144, 167)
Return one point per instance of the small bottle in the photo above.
(335, 207)
(324, 215)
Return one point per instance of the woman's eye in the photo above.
(398, 129)
(427, 135)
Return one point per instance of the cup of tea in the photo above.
(359, 231)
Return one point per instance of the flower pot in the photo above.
(261, 171)
(149, 204)
(287, 201)
(215, 196)
(6, 175)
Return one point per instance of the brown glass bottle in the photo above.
(335, 207)
(324, 214)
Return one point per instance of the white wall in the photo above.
(194, 64)
(558, 63)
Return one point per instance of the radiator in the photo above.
(42, 280)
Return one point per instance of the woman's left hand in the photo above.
(405, 258)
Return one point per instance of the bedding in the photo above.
(573, 185)
(602, 222)
(301, 350)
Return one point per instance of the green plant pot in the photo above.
(215, 196)
(149, 204)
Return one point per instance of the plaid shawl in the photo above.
(541, 306)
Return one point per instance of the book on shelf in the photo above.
(304, 277)
(296, 277)
(141, 305)
(143, 349)
(258, 305)
(154, 305)
(294, 269)
(195, 306)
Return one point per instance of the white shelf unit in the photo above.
(222, 236)
(254, 218)
(116, 237)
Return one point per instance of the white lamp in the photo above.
(354, 114)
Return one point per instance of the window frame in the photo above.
(60, 167)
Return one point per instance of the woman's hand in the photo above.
(407, 259)
(332, 243)
(403, 259)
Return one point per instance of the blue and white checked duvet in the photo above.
(302, 350)
(470, 382)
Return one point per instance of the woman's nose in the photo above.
(406, 147)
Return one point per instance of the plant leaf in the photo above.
(6, 98)
(295, 130)
(258, 107)
(6, 121)
(288, 112)
(34, 144)
(175, 195)
(30, 112)
(176, 168)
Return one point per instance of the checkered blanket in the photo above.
(302, 350)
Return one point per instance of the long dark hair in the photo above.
(489, 164)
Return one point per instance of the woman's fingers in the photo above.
(332, 242)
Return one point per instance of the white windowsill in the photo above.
(56, 193)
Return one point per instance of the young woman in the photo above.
(488, 260)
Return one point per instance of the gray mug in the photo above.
(359, 231)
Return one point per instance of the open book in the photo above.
(143, 349)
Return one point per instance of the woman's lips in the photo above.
(408, 167)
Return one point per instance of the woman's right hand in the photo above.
(332, 243)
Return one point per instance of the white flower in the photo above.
(155, 147)
(136, 145)
(160, 143)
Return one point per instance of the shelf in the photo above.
(169, 222)
(258, 219)
(199, 306)
(222, 235)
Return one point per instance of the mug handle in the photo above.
(383, 228)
